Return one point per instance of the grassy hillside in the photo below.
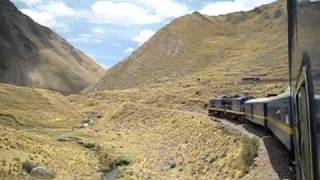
(22, 107)
(34, 56)
(31, 121)
(239, 44)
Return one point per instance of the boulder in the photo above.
(89, 121)
(68, 138)
(85, 125)
(42, 173)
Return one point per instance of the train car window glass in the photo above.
(283, 115)
(261, 109)
(287, 117)
(317, 109)
(278, 114)
(251, 110)
(304, 130)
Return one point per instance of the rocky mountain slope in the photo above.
(34, 56)
(250, 41)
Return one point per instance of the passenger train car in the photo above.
(256, 111)
(279, 119)
(304, 65)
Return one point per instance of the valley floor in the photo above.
(127, 134)
(148, 143)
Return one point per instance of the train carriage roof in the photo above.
(217, 99)
(280, 96)
(239, 98)
(258, 100)
(266, 100)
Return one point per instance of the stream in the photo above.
(112, 174)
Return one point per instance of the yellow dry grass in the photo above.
(67, 160)
(22, 107)
(171, 144)
(158, 142)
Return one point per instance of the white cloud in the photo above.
(98, 30)
(166, 8)
(135, 12)
(105, 66)
(46, 19)
(125, 12)
(225, 7)
(96, 36)
(129, 50)
(121, 14)
(47, 14)
(57, 8)
(29, 2)
(85, 38)
(43, 18)
(144, 36)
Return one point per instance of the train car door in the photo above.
(265, 114)
(251, 112)
(305, 126)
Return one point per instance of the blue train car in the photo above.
(227, 103)
(216, 107)
(304, 64)
(279, 119)
(256, 111)
(238, 103)
(237, 107)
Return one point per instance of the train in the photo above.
(272, 113)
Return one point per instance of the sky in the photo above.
(110, 30)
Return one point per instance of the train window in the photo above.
(287, 117)
(317, 105)
(304, 131)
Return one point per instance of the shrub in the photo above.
(249, 150)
